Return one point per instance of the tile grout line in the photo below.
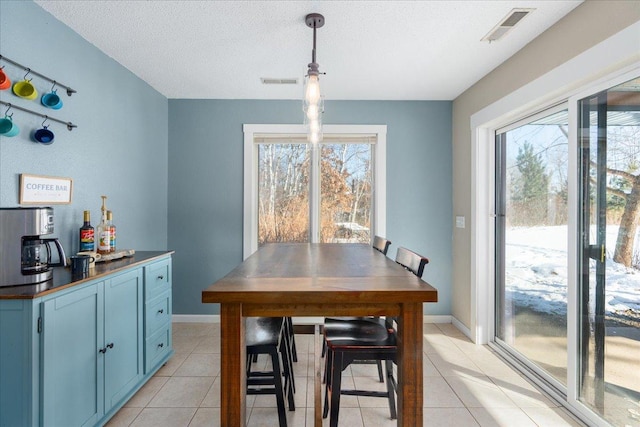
(450, 340)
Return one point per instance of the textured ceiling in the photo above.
(386, 50)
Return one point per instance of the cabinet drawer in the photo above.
(157, 346)
(157, 278)
(158, 313)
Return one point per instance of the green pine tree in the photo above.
(530, 188)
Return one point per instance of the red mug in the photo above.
(5, 82)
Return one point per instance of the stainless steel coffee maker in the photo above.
(25, 256)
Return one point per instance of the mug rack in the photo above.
(70, 125)
(42, 76)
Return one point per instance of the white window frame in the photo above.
(250, 220)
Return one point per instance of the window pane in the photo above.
(609, 378)
(531, 242)
(345, 191)
(283, 193)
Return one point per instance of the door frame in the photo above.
(611, 62)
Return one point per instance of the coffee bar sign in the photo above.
(35, 189)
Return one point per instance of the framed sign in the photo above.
(35, 189)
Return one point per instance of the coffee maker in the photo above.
(25, 256)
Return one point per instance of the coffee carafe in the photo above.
(26, 256)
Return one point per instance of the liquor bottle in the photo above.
(87, 234)
(104, 232)
(112, 231)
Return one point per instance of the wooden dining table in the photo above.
(299, 279)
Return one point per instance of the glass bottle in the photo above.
(112, 231)
(104, 232)
(87, 234)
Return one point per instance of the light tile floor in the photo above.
(464, 385)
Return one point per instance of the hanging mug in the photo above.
(7, 127)
(5, 82)
(25, 89)
(51, 100)
(44, 136)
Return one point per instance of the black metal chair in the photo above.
(267, 335)
(365, 339)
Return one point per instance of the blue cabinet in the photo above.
(73, 370)
(19, 379)
(74, 357)
(123, 336)
(157, 314)
(91, 365)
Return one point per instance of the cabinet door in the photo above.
(123, 335)
(19, 358)
(72, 379)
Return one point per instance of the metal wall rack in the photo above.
(69, 125)
(42, 76)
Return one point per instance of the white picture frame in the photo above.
(39, 189)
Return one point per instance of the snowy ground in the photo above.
(536, 272)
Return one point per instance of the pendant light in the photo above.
(313, 104)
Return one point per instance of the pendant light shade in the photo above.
(313, 105)
(312, 92)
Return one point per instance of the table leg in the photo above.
(410, 367)
(233, 376)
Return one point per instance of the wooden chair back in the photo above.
(381, 244)
(411, 261)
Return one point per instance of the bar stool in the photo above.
(381, 245)
(266, 335)
(365, 339)
(291, 338)
(292, 355)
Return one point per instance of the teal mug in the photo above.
(8, 127)
(51, 100)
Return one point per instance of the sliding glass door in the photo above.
(609, 254)
(567, 250)
(531, 241)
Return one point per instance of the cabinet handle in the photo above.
(104, 350)
(161, 345)
(161, 277)
(161, 311)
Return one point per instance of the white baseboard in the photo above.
(436, 319)
(458, 324)
(195, 318)
(215, 318)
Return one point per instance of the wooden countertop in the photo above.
(62, 278)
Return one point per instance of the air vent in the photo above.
(506, 24)
(270, 81)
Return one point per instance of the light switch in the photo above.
(459, 222)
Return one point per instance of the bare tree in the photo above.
(630, 217)
(345, 186)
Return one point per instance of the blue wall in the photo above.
(206, 184)
(173, 169)
(119, 148)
